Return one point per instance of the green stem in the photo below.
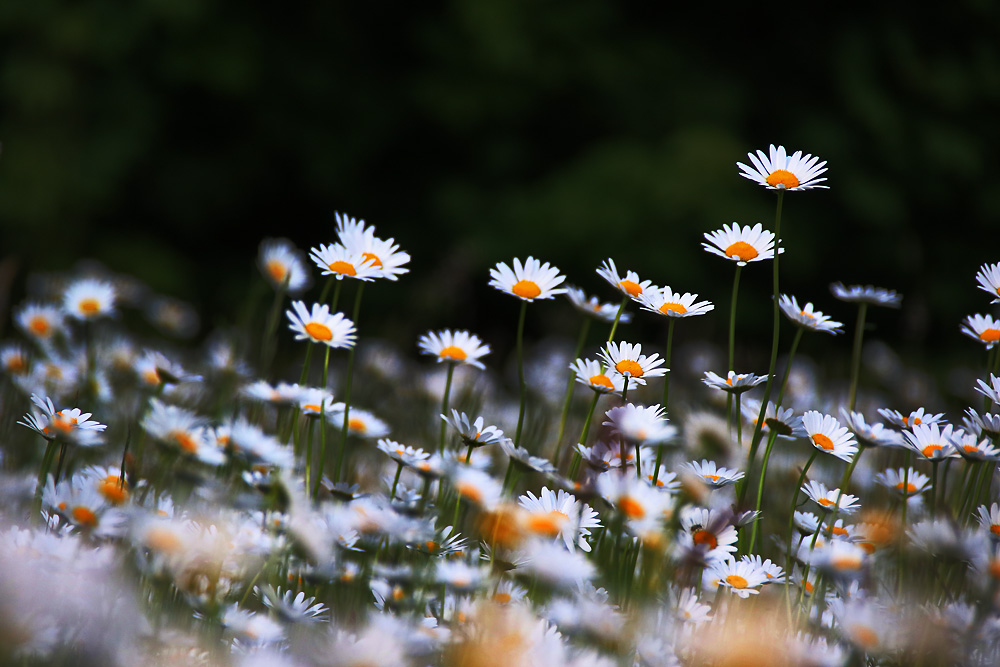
(760, 487)
(347, 389)
(583, 435)
(570, 384)
(322, 427)
(43, 474)
(269, 344)
(444, 406)
(666, 392)
(618, 316)
(791, 512)
(395, 481)
(788, 369)
(621, 437)
(732, 318)
(309, 453)
(934, 487)
(520, 372)
(859, 332)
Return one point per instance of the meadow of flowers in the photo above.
(375, 506)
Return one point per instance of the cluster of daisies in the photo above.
(169, 506)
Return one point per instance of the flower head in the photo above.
(780, 171)
(529, 281)
(630, 285)
(385, 257)
(606, 312)
(39, 321)
(594, 375)
(87, 299)
(827, 499)
(828, 436)
(713, 475)
(808, 318)
(283, 265)
(664, 301)
(340, 262)
(989, 280)
(474, 433)
(741, 244)
(628, 360)
(319, 326)
(930, 441)
(459, 347)
(645, 425)
(982, 328)
(733, 383)
(877, 296)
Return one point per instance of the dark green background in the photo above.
(167, 137)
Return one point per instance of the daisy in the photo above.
(177, 427)
(712, 475)
(710, 528)
(630, 285)
(870, 435)
(991, 390)
(476, 486)
(71, 424)
(840, 558)
(552, 564)
(743, 578)
(283, 265)
(473, 433)
(971, 448)
(524, 459)
(14, 360)
(384, 255)
(829, 436)
(320, 326)
(915, 418)
(733, 383)
(559, 515)
(664, 301)
(39, 321)
(774, 572)
(690, 610)
(89, 298)
(253, 444)
(989, 280)
(282, 393)
(780, 171)
(402, 454)
(636, 500)
(530, 281)
(593, 374)
(987, 424)
(315, 401)
(337, 261)
(808, 318)
(782, 421)
(155, 369)
(989, 518)
(627, 359)
(827, 498)
(877, 296)
(982, 328)
(293, 608)
(904, 482)
(361, 423)
(635, 423)
(931, 442)
(458, 347)
(741, 244)
(606, 312)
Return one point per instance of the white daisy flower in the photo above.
(664, 301)
(529, 281)
(384, 255)
(553, 565)
(360, 423)
(88, 298)
(283, 265)
(973, 448)
(743, 578)
(638, 424)
(871, 435)
(808, 318)
(314, 401)
(782, 421)
(990, 390)
(403, 454)
(741, 244)
(903, 482)
(989, 280)
(40, 321)
(319, 326)
(829, 436)
(282, 393)
(180, 428)
(840, 558)
(989, 519)
(918, 416)
(877, 296)
(690, 610)
(982, 328)
(710, 528)
(594, 375)
(780, 171)
(636, 500)
(630, 285)
(627, 359)
(292, 607)
(337, 261)
(476, 486)
(733, 383)
(709, 473)
(454, 347)
(473, 432)
(985, 425)
(827, 498)
(606, 312)
(70, 424)
(931, 442)
(559, 515)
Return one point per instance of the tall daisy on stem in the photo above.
(863, 296)
(283, 267)
(453, 348)
(530, 281)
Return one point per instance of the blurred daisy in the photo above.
(877, 296)
(283, 265)
(385, 256)
(780, 171)
(524, 459)
(931, 442)
(808, 318)
(155, 369)
(829, 436)
(70, 424)
(638, 424)
(827, 498)
(982, 328)
(476, 486)
(473, 433)
(39, 321)
(530, 281)
(989, 519)
(733, 383)
(903, 482)
(630, 285)
(89, 298)
(319, 326)
(991, 390)
(741, 244)
(314, 401)
(282, 393)
(292, 607)
(870, 435)
(14, 360)
(840, 558)
(402, 454)
(337, 261)
(915, 418)
(606, 312)
(987, 424)
(361, 423)
(989, 280)
(636, 500)
(627, 359)
(559, 515)
(454, 347)
(664, 301)
(782, 421)
(553, 565)
(593, 374)
(713, 475)
(180, 428)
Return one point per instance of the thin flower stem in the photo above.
(791, 512)
(468, 454)
(760, 487)
(395, 481)
(618, 316)
(621, 436)
(520, 373)
(270, 341)
(732, 318)
(309, 453)
(43, 474)
(570, 384)
(347, 389)
(934, 487)
(583, 435)
(666, 393)
(322, 426)
(788, 367)
(444, 406)
(859, 332)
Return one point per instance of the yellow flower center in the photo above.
(470, 491)
(714, 478)
(343, 268)
(705, 537)
(929, 450)
(310, 406)
(501, 598)
(995, 529)
(357, 425)
(548, 523)
(89, 306)
(808, 586)
(185, 441)
(376, 262)
(630, 288)
(277, 270)
(525, 289)
(838, 530)
(161, 539)
(151, 377)
(453, 352)
(601, 381)
(631, 508)
(846, 562)
(990, 335)
(823, 442)
(780, 178)
(825, 502)
(629, 368)
(113, 489)
(743, 250)
(736, 581)
(910, 487)
(39, 326)
(84, 516)
(319, 331)
(864, 636)
(673, 307)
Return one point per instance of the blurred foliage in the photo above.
(167, 137)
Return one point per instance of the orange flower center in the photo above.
(343, 268)
(376, 262)
(17, 365)
(151, 376)
(501, 598)
(780, 178)
(84, 516)
(736, 581)
(319, 331)
(310, 406)
(714, 478)
(825, 502)
(995, 529)
(548, 523)
(910, 487)
(990, 335)
(705, 537)
(743, 250)
(39, 326)
(838, 530)
(277, 270)
(630, 288)
(846, 562)
(357, 425)
(185, 441)
(89, 306)
(601, 381)
(970, 449)
(470, 491)
(453, 352)
(823, 442)
(673, 307)
(161, 539)
(526, 289)
(864, 636)
(113, 489)
(659, 482)
(631, 508)
(929, 450)
(629, 368)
